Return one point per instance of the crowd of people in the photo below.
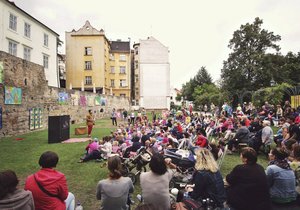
(246, 130)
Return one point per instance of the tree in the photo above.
(202, 77)
(188, 89)
(273, 95)
(207, 94)
(243, 69)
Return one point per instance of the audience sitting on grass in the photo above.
(249, 185)
(48, 186)
(97, 150)
(10, 196)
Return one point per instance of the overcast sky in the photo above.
(197, 32)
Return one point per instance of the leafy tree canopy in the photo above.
(244, 67)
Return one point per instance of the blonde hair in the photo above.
(205, 160)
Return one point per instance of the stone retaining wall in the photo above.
(36, 93)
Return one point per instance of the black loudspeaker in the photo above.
(58, 128)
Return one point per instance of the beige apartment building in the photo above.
(87, 59)
(119, 73)
(93, 63)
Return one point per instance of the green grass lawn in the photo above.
(22, 157)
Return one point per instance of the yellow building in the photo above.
(93, 63)
(87, 59)
(118, 76)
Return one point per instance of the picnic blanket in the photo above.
(74, 140)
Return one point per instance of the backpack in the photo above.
(192, 204)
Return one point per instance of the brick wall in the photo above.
(36, 93)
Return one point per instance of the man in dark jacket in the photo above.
(241, 136)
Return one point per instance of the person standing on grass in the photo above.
(114, 117)
(125, 114)
(49, 187)
(10, 196)
(90, 122)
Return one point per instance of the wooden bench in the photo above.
(81, 130)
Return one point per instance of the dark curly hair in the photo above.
(157, 164)
(279, 153)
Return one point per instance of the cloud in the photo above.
(197, 32)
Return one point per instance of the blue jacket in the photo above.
(282, 183)
(208, 185)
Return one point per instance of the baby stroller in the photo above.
(185, 162)
(132, 167)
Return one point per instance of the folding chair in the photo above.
(222, 157)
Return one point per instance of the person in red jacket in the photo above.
(48, 186)
(201, 140)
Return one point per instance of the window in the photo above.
(122, 83)
(122, 57)
(112, 56)
(136, 51)
(12, 48)
(46, 37)
(112, 69)
(88, 80)
(13, 22)
(27, 52)
(87, 51)
(122, 70)
(112, 83)
(122, 95)
(88, 65)
(46, 61)
(27, 28)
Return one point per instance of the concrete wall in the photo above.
(31, 79)
(154, 70)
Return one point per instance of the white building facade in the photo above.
(25, 37)
(173, 94)
(152, 74)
